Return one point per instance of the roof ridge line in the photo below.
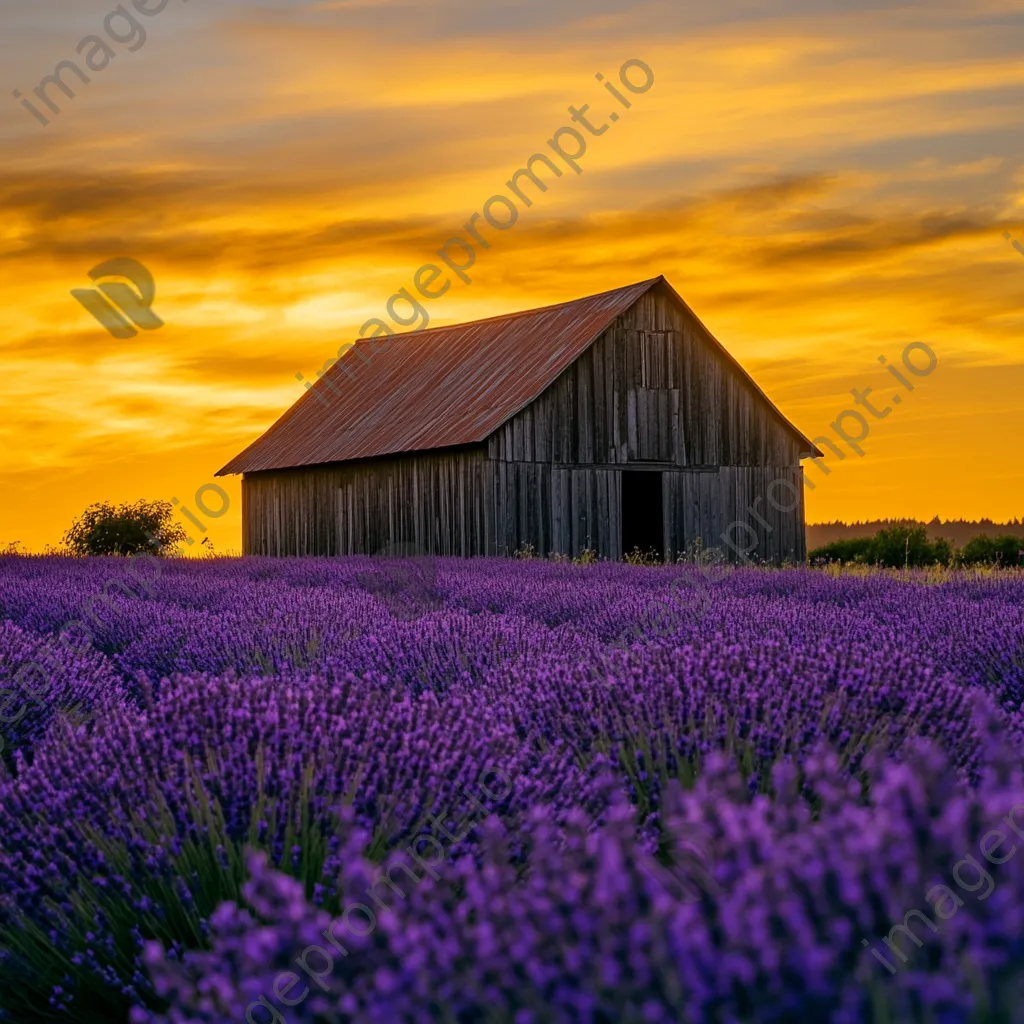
(515, 313)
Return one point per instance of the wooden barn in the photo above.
(609, 422)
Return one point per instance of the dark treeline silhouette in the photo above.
(957, 531)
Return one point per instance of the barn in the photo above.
(609, 422)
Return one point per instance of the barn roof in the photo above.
(442, 387)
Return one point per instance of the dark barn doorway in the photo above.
(642, 521)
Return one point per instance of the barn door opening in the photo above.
(642, 521)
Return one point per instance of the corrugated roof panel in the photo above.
(435, 388)
(441, 387)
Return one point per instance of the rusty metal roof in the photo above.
(439, 387)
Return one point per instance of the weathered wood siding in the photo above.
(706, 505)
(441, 501)
(465, 504)
(450, 503)
(653, 388)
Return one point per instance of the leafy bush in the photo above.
(145, 526)
(1003, 550)
(896, 547)
(909, 545)
(854, 549)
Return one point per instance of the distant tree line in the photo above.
(958, 532)
(908, 544)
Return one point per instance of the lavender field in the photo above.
(487, 791)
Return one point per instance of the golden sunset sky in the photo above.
(823, 182)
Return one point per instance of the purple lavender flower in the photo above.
(403, 577)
